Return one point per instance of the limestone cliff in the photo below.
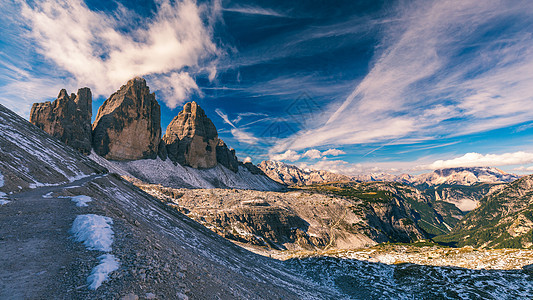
(128, 124)
(67, 118)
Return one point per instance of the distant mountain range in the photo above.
(463, 187)
(292, 175)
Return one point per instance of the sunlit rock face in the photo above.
(128, 124)
(67, 118)
(192, 140)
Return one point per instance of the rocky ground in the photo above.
(303, 219)
(162, 254)
(431, 255)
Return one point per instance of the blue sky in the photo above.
(347, 86)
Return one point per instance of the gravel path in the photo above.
(36, 251)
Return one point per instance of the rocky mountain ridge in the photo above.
(319, 217)
(127, 129)
(67, 118)
(503, 219)
(462, 187)
(463, 176)
(292, 175)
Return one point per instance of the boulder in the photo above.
(128, 124)
(67, 118)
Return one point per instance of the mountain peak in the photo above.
(128, 124)
(192, 138)
(67, 118)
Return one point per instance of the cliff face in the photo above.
(192, 140)
(128, 127)
(67, 118)
(128, 124)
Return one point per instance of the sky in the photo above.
(348, 86)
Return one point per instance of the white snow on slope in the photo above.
(2, 194)
(81, 200)
(100, 273)
(36, 158)
(168, 174)
(69, 180)
(96, 234)
(94, 231)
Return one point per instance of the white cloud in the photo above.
(333, 152)
(422, 76)
(91, 47)
(250, 10)
(239, 134)
(244, 137)
(479, 160)
(312, 154)
(289, 155)
(523, 169)
(248, 159)
(176, 87)
(224, 117)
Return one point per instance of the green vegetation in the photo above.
(360, 192)
(492, 223)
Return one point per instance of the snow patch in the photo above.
(94, 231)
(1, 180)
(100, 273)
(81, 200)
(48, 195)
(70, 180)
(2, 201)
(167, 173)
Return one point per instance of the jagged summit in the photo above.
(128, 124)
(464, 176)
(67, 118)
(191, 138)
(292, 175)
(127, 134)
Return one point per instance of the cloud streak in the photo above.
(239, 134)
(437, 72)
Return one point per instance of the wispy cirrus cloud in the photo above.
(238, 133)
(253, 10)
(171, 47)
(440, 70)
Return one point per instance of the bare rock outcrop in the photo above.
(226, 156)
(67, 118)
(128, 124)
(192, 140)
